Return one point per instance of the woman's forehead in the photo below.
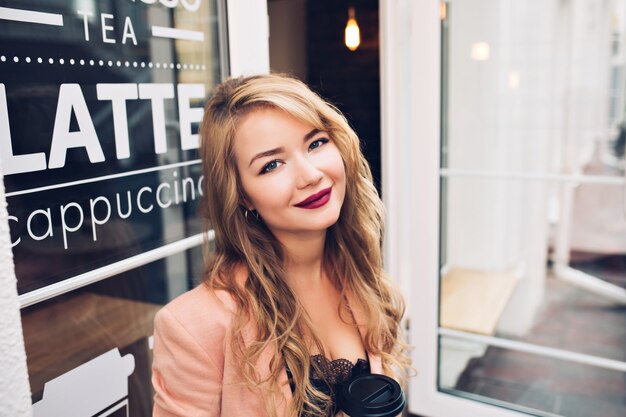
(267, 126)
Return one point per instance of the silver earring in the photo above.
(254, 213)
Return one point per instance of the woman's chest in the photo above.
(334, 326)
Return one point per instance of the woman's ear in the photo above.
(246, 204)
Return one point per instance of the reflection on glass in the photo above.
(535, 384)
(499, 280)
(533, 248)
(95, 343)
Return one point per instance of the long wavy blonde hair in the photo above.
(352, 252)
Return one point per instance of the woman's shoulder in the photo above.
(202, 308)
(200, 301)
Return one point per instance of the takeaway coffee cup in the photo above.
(371, 395)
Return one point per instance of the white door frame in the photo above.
(248, 37)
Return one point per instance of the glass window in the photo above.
(100, 105)
(89, 352)
(102, 102)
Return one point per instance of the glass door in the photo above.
(531, 280)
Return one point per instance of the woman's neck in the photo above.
(304, 256)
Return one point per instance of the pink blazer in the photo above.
(193, 370)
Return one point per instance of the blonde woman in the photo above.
(295, 301)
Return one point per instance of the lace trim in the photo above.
(335, 371)
(328, 376)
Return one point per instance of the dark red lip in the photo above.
(314, 197)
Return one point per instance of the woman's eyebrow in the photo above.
(311, 134)
(266, 153)
(281, 149)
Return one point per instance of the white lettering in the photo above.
(129, 31)
(119, 206)
(188, 115)
(191, 6)
(193, 191)
(158, 196)
(76, 217)
(85, 16)
(200, 184)
(10, 163)
(71, 98)
(118, 94)
(30, 220)
(175, 174)
(71, 105)
(157, 93)
(95, 221)
(142, 208)
(19, 239)
(64, 225)
(105, 28)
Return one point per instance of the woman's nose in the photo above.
(308, 174)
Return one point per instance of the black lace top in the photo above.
(333, 374)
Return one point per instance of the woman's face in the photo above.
(291, 173)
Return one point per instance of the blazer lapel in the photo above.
(283, 382)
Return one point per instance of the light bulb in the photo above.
(352, 32)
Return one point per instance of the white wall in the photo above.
(14, 387)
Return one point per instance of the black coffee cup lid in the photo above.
(372, 395)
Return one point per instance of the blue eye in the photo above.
(270, 166)
(317, 143)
